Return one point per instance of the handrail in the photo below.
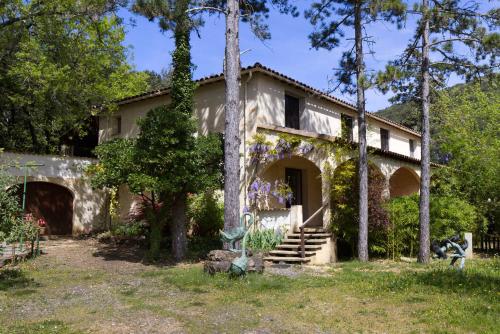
(301, 227)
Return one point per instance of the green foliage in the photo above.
(463, 41)
(131, 229)
(10, 210)
(333, 19)
(402, 236)
(206, 214)
(167, 160)
(62, 60)
(471, 149)
(264, 240)
(448, 216)
(345, 202)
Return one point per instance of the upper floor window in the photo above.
(116, 125)
(384, 139)
(347, 122)
(292, 112)
(412, 148)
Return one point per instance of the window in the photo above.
(346, 122)
(292, 112)
(116, 126)
(412, 148)
(384, 139)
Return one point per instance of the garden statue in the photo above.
(452, 243)
(237, 233)
(239, 265)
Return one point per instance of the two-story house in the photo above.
(275, 105)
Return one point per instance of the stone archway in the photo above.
(304, 177)
(404, 182)
(52, 202)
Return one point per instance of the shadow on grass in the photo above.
(136, 252)
(11, 279)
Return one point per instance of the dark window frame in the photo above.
(412, 147)
(384, 139)
(292, 111)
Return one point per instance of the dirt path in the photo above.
(81, 283)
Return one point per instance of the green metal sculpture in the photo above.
(236, 234)
(239, 265)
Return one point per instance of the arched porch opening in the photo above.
(52, 202)
(404, 182)
(304, 179)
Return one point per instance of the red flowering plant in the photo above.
(41, 222)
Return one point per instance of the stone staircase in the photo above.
(318, 246)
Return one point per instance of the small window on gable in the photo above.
(347, 124)
(292, 112)
(384, 139)
(116, 126)
(412, 148)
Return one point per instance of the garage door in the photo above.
(52, 202)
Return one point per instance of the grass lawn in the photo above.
(80, 291)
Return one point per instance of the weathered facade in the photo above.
(59, 192)
(274, 104)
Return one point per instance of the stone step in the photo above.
(286, 259)
(310, 235)
(307, 241)
(311, 230)
(289, 252)
(297, 246)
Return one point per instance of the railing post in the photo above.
(302, 243)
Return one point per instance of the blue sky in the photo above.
(288, 51)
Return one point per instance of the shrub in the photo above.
(206, 214)
(345, 203)
(10, 210)
(448, 216)
(264, 240)
(132, 229)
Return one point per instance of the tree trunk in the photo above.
(423, 254)
(155, 235)
(232, 118)
(363, 159)
(178, 228)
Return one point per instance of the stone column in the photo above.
(468, 251)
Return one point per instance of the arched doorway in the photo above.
(404, 182)
(52, 202)
(304, 177)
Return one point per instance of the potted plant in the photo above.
(42, 224)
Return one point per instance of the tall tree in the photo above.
(444, 30)
(254, 12)
(330, 18)
(59, 61)
(232, 118)
(167, 137)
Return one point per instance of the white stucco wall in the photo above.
(89, 206)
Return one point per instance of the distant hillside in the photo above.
(408, 114)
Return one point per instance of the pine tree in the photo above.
(330, 19)
(445, 27)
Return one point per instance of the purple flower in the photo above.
(255, 185)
